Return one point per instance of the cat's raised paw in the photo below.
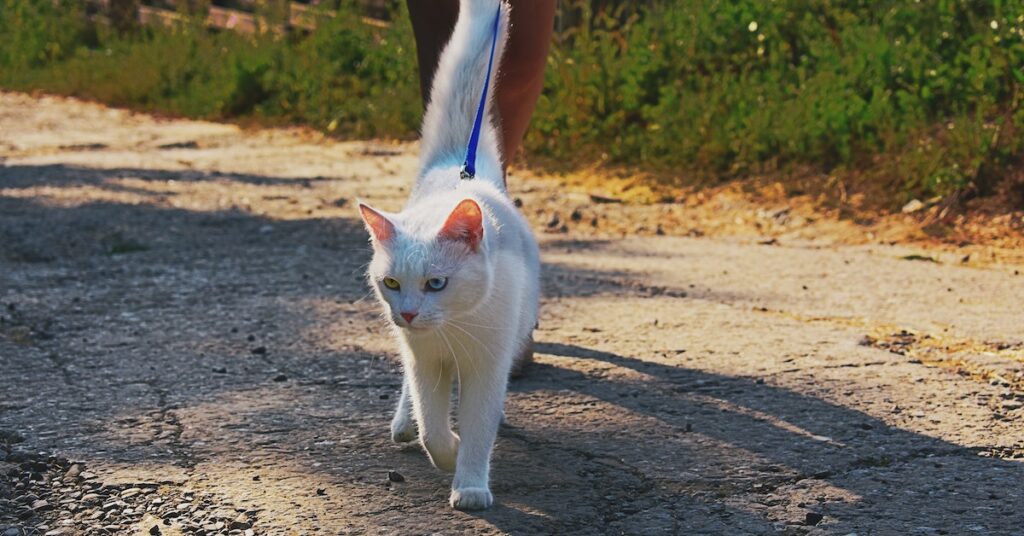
(471, 498)
(442, 453)
(403, 430)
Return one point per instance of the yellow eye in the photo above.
(391, 283)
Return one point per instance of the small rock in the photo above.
(813, 518)
(249, 532)
(576, 215)
(240, 523)
(603, 199)
(395, 476)
(130, 492)
(913, 206)
(154, 530)
(259, 350)
(73, 472)
(321, 491)
(220, 370)
(40, 505)
(280, 378)
(12, 531)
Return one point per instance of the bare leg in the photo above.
(522, 68)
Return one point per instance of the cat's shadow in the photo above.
(694, 439)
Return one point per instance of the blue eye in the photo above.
(435, 284)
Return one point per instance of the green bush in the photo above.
(348, 77)
(723, 88)
(921, 97)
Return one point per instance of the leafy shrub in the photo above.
(921, 97)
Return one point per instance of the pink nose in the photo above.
(408, 317)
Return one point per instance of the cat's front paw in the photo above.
(471, 498)
(443, 452)
(403, 429)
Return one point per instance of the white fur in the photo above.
(473, 330)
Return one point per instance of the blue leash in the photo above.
(469, 166)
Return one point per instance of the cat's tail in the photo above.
(455, 95)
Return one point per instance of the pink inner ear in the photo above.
(381, 228)
(464, 224)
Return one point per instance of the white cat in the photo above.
(458, 271)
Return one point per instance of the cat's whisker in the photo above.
(458, 373)
(440, 371)
(470, 324)
(478, 341)
(466, 350)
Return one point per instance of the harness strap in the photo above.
(469, 166)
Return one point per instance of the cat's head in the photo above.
(429, 266)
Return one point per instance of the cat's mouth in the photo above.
(415, 326)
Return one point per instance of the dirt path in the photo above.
(184, 315)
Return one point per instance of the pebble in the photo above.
(813, 518)
(280, 378)
(240, 522)
(395, 476)
(154, 530)
(130, 492)
(259, 350)
(73, 472)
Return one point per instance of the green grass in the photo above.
(919, 99)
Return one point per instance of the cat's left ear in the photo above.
(465, 224)
(379, 226)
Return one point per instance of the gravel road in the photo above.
(187, 347)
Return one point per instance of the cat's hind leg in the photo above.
(524, 358)
(403, 425)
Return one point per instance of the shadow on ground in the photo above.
(219, 342)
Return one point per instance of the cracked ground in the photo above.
(185, 325)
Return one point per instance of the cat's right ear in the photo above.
(379, 226)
